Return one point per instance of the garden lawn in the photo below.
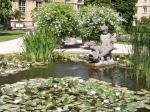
(6, 35)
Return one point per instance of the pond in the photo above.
(115, 75)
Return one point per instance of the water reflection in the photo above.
(115, 75)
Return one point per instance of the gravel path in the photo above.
(120, 49)
(15, 46)
(11, 46)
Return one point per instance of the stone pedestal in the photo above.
(104, 64)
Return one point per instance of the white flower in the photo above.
(117, 94)
(91, 93)
(118, 108)
(55, 85)
(81, 81)
(59, 109)
(117, 59)
(66, 84)
(106, 101)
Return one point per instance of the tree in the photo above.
(144, 21)
(126, 8)
(98, 2)
(5, 12)
(17, 14)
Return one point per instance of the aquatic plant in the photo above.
(141, 51)
(39, 45)
(70, 95)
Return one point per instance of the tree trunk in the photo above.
(7, 24)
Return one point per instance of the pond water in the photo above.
(115, 75)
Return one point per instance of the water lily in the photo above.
(118, 109)
(106, 101)
(81, 81)
(66, 84)
(59, 109)
(91, 93)
(25, 99)
(29, 64)
(118, 59)
(117, 94)
(55, 86)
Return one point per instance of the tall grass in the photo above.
(141, 51)
(39, 45)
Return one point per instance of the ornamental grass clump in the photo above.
(141, 51)
(39, 45)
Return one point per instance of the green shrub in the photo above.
(59, 18)
(144, 21)
(92, 17)
(39, 45)
(64, 21)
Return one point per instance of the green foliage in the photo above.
(39, 45)
(93, 17)
(6, 12)
(141, 51)
(98, 2)
(59, 18)
(70, 95)
(55, 21)
(144, 21)
(126, 8)
(17, 14)
(64, 21)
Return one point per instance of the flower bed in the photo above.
(69, 95)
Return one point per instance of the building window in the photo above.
(79, 1)
(22, 5)
(136, 10)
(67, 1)
(38, 3)
(145, 9)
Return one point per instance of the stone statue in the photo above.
(102, 51)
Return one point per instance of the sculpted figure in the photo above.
(107, 42)
(102, 51)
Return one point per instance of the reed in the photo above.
(141, 52)
(39, 45)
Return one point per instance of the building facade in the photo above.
(142, 10)
(27, 6)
